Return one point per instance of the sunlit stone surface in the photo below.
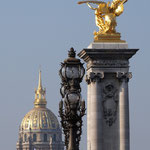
(107, 97)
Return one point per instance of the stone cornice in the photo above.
(92, 54)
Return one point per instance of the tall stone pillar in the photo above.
(107, 101)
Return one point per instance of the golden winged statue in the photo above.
(105, 17)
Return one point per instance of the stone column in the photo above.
(94, 113)
(124, 110)
(88, 116)
(107, 100)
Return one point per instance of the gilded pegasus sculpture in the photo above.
(105, 17)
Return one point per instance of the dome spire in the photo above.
(40, 93)
(40, 80)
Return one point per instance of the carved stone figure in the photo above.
(110, 103)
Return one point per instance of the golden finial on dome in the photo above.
(40, 100)
(40, 80)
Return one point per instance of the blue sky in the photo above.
(40, 32)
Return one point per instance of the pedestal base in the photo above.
(100, 45)
(108, 37)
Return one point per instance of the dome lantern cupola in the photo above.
(40, 100)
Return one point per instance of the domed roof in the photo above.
(39, 117)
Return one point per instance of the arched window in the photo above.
(25, 138)
(45, 137)
(34, 137)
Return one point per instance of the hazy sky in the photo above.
(40, 32)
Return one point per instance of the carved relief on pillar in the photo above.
(108, 63)
(94, 77)
(124, 76)
(110, 103)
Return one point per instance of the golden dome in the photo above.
(39, 117)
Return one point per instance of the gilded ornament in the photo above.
(105, 19)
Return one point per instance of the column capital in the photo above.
(94, 77)
(124, 76)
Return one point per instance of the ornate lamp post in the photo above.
(71, 107)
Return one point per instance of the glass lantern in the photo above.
(72, 68)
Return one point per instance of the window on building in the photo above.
(34, 137)
(45, 137)
(25, 138)
(54, 138)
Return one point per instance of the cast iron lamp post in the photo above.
(71, 107)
